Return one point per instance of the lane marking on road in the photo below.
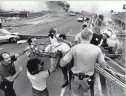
(68, 33)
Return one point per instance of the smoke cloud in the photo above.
(58, 5)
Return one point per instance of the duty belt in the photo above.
(81, 76)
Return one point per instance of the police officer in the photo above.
(84, 60)
(97, 38)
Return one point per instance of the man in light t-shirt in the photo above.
(37, 76)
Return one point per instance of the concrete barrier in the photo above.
(97, 85)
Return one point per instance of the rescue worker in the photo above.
(58, 46)
(32, 48)
(84, 60)
(8, 73)
(97, 38)
(65, 69)
(37, 76)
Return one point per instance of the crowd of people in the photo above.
(76, 60)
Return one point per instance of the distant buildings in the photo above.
(13, 13)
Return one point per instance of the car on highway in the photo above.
(80, 19)
(6, 36)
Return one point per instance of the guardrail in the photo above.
(31, 36)
(97, 83)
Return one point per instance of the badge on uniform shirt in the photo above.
(96, 39)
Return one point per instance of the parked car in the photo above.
(6, 36)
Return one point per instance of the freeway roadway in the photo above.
(22, 85)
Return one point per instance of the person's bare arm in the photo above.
(20, 53)
(101, 59)
(100, 43)
(66, 59)
(12, 78)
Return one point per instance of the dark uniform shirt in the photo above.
(96, 39)
(8, 70)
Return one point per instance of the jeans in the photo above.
(40, 93)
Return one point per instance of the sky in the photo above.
(21, 5)
(97, 6)
(91, 6)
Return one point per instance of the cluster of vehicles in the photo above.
(83, 19)
(79, 19)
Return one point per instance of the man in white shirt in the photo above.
(37, 76)
(58, 46)
(55, 46)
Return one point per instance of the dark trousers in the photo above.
(64, 70)
(40, 93)
(7, 87)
